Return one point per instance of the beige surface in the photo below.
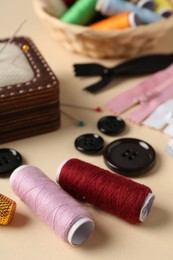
(27, 237)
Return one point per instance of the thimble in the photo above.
(7, 209)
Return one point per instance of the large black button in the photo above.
(10, 159)
(111, 125)
(89, 143)
(129, 156)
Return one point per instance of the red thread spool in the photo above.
(103, 189)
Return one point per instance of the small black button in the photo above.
(111, 125)
(129, 156)
(10, 159)
(89, 143)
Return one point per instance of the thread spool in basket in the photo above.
(130, 43)
(164, 7)
(56, 208)
(119, 21)
(115, 194)
(111, 7)
(81, 12)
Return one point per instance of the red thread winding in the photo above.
(103, 189)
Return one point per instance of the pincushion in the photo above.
(14, 66)
(29, 92)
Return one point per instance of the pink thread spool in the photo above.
(55, 207)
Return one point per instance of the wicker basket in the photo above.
(132, 42)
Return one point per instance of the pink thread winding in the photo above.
(56, 208)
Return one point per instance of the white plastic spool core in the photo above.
(58, 172)
(146, 208)
(165, 12)
(80, 231)
(134, 20)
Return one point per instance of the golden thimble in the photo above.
(7, 209)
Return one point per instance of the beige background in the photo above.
(27, 237)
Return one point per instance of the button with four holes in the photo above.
(89, 143)
(10, 159)
(129, 156)
(111, 125)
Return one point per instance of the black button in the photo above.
(111, 125)
(10, 159)
(129, 156)
(89, 143)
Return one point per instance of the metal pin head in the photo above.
(25, 47)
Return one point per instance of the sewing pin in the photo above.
(12, 37)
(78, 122)
(97, 109)
(25, 48)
